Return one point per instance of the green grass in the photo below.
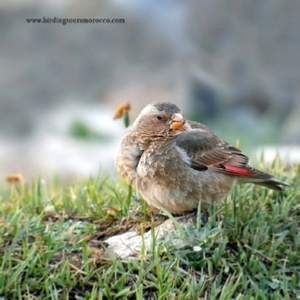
(81, 130)
(52, 245)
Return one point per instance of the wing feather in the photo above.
(206, 149)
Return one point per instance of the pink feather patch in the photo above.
(239, 171)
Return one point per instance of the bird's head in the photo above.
(161, 119)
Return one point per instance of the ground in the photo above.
(52, 244)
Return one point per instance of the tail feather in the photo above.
(272, 183)
(264, 179)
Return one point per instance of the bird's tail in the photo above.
(264, 179)
(272, 183)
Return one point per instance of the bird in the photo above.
(176, 163)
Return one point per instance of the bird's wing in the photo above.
(205, 149)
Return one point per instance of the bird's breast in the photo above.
(164, 165)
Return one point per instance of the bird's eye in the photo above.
(159, 117)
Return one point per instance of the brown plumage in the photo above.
(175, 163)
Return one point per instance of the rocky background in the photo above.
(233, 65)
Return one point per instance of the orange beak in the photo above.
(177, 121)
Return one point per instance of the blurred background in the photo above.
(232, 65)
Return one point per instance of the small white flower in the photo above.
(197, 248)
